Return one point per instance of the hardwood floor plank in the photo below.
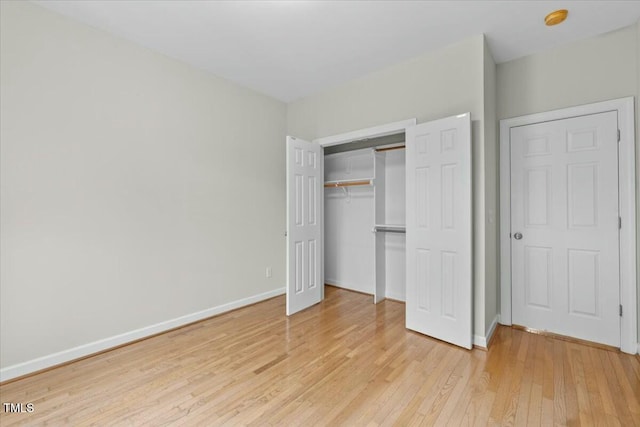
(343, 362)
(630, 388)
(475, 387)
(534, 415)
(523, 389)
(559, 389)
(503, 378)
(509, 415)
(571, 389)
(584, 407)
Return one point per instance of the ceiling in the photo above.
(291, 49)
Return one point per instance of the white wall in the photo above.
(591, 70)
(349, 244)
(428, 87)
(435, 85)
(134, 188)
(586, 71)
(492, 190)
(395, 214)
(638, 170)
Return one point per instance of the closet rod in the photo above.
(346, 184)
(397, 147)
(389, 230)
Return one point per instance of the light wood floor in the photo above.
(343, 362)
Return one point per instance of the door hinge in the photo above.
(618, 135)
(620, 310)
(619, 223)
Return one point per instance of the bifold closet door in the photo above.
(439, 263)
(304, 224)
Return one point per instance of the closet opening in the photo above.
(364, 217)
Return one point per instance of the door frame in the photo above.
(367, 133)
(627, 208)
(353, 136)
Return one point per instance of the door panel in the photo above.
(564, 202)
(304, 224)
(583, 282)
(438, 180)
(538, 277)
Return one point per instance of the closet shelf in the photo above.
(390, 148)
(348, 183)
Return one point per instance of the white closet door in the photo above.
(438, 159)
(304, 224)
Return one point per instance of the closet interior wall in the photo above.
(394, 211)
(356, 257)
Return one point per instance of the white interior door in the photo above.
(438, 197)
(304, 224)
(564, 227)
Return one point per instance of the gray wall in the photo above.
(435, 85)
(135, 189)
(591, 70)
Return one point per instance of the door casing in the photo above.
(627, 208)
(345, 138)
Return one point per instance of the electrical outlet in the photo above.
(268, 272)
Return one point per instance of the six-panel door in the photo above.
(564, 205)
(304, 224)
(438, 198)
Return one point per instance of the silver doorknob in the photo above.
(518, 236)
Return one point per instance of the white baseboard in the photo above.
(501, 321)
(481, 341)
(396, 297)
(88, 349)
(339, 284)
